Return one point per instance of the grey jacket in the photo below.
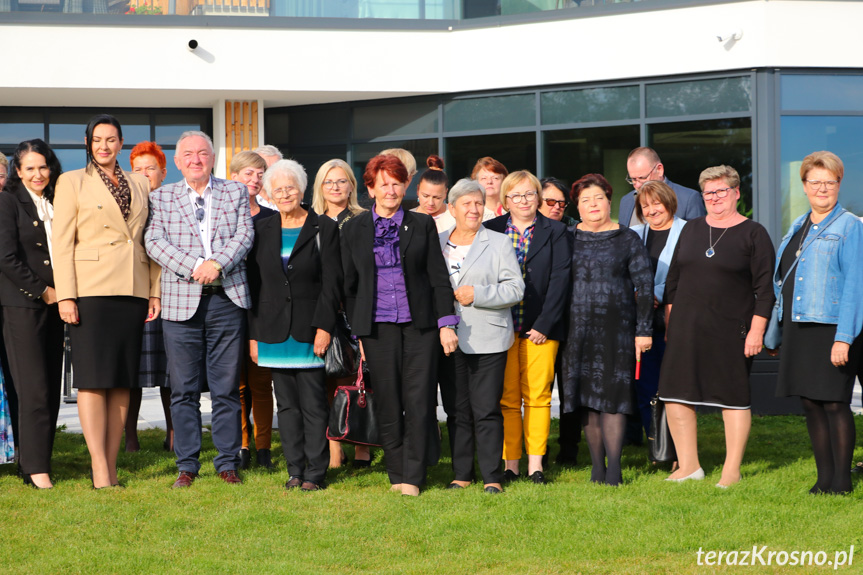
(491, 267)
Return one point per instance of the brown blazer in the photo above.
(96, 251)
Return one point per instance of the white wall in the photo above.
(314, 66)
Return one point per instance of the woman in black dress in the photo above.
(610, 325)
(107, 287)
(719, 288)
(820, 343)
(32, 329)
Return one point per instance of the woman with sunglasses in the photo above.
(543, 253)
(553, 201)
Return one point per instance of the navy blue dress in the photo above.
(605, 316)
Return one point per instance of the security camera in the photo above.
(730, 35)
(192, 45)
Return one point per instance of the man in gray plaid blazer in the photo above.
(200, 231)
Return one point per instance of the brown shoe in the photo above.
(185, 479)
(294, 482)
(230, 476)
(312, 486)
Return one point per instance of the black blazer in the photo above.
(25, 264)
(429, 292)
(305, 296)
(546, 277)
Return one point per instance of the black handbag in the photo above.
(340, 359)
(352, 416)
(660, 442)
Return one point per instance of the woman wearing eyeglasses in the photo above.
(334, 195)
(719, 297)
(543, 253)
(295, 278)
(821, 315)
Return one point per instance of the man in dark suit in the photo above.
(644, 165)
(200, 232)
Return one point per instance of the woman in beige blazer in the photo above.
(107, 287)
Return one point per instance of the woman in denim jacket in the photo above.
(818, 284)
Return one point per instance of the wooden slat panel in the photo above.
(255, 141)
(246, 125)
(237, 119)
(229, 152)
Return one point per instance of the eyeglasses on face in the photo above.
(640, 179)
(519, 198)
(716, 194)
(551, 203)
(830, 185)
(285, 192)
(330, 184)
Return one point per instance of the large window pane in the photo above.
(69, 127)
(312, 158)
(15, 127)
(314, 127)
(169, 127)
(490, 113)
(591, 105)
(515, 151)
(74, 159)
(687, 148)
(720, 95)
(802, 135)
(421, 149)
(570, 154)
(821, 92)
(395, 120)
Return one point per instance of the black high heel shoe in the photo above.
(93, 483)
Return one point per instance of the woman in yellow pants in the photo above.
(544, 256)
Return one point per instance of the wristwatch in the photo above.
(217, 265)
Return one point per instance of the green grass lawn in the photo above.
(357, 526)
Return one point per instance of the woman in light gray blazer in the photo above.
(487, 281)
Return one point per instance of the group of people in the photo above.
(486, 290)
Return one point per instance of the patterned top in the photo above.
(454, 256)
(122, 194)
(521, 243)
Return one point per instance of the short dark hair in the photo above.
(96, 121)
(588, 181)
(555, 183)
(39, 147)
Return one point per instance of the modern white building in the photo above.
(558, 87)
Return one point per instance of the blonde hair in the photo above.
(514, 179)
(319, 204)
(246, 159)
(406, 157)
(726, 173)
(825, 160)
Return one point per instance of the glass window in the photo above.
(395, 120)
(515, 151)
(570, 154)
(15, 127)
(717, 96)
(69, 127)
(591, 105)
(74, 159)
(490, 113)
(362, 153)
(821, 92)
(276, 127)
(312, 158)
(313, 127)
(687, 148)
(170, 126)
(802, 135)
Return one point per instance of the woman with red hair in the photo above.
(400, 304)
(148, 159)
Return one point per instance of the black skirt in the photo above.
(106, 344)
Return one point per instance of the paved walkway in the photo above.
(152, 416)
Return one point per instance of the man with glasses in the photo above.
(643, 165)
(200, 231)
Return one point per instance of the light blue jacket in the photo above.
(828, 281)
(664, 256)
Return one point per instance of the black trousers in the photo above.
(479, 386)
(301, 406)
(403, 366)
(446, 382)
(34, 344)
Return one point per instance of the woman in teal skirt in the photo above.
(295, 277)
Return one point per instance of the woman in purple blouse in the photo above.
(400, 304)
